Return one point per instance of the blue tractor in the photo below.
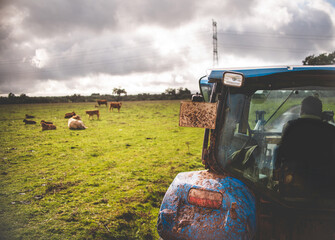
(260, 182)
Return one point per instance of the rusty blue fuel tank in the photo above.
(203, 205)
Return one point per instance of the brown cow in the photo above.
(28, 121)
(69, 115)
(91, 113)
(29, 116)
(102, 102)
(46, 126)
(115, 105)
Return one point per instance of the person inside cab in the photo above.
(306, 154)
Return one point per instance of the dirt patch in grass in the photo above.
(57, 187)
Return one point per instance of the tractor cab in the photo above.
(270, 162)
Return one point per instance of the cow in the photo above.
(46, 126)
(115, 105)
(28, 121)
(69, 115)
(75, 123)
(102, 102)
(29, 116)
(42, 121)
(91, 113)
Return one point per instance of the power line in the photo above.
(123, 52)
(51, 70)
(275, 35)
(265, 48)
(148, 44)
(124, 48)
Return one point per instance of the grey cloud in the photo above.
(230, 10)
(109, 55)
(65, 29)
(166, 13)
(52, 17)
(48, 18)
(307, 33)
(4, 32)
(317, 25)
(84, 37)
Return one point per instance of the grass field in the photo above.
(105, 182)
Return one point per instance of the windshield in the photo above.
(253, 126)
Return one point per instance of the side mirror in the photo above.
(259, 97)
(233, 79)
(328, 116)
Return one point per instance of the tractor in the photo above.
(261, 179)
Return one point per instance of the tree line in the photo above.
(322, 59)
(118, 94)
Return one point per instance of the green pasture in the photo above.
(271, 105)
(105, 182)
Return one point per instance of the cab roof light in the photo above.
(205, 198)
(233, 79)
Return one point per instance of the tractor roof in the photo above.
(282, 76)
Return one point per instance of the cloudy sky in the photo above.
(65, 47)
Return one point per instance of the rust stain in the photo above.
(233, 212)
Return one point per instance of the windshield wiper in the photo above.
(293, 91)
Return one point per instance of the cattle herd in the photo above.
(74, 122)
(112, 105)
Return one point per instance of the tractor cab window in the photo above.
(251, 135)
(206, 88)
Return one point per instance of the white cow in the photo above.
(75, 123)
